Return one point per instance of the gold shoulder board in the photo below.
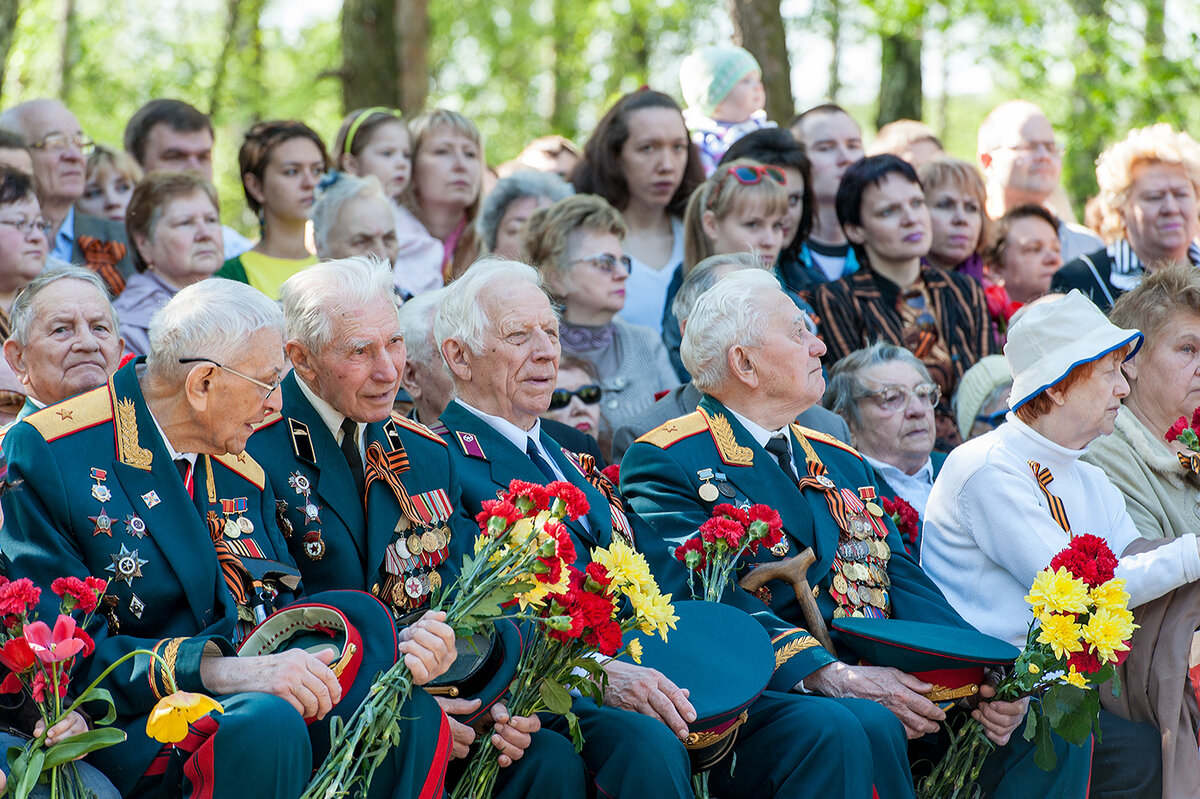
(71, 415)
(245, 466)
(417, 427)
(825, 438)
(669, 433)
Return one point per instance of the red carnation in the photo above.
(89, 646)
(904, 516)
(764, 513)
(548, 570)
(1085, 662)
(1180, 425)
(721, 529)
(607, 639)
(731, 512)
(533, 494)
(1196, 419)
(18, 597)
(1087, 558)
(502, 509)
(594, 608)
(81, 595)
(574, 500)
(97, 584)
(598, 574)
(613, 473)
(40, 686)
(691, 554)
(564, 545)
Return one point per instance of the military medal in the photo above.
(314, 547)
(136, 605)
(429, 541)
(281, 519)
(415, 545)
(311, 512)
(412, 587)
(100, 491)
(103, 523)
(707, 491)
(245, 525)
(300, 483)
(150, 498)
(126, 565)
(723, 485)
(782, 548)
(135, 526)
(435, 581)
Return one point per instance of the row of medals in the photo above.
(409, 590)
(860, 579)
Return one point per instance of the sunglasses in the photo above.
(992, 419)
(561, 397)
(747, 175)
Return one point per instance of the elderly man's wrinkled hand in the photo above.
(428, 647)
(999, 719)
(648, 692)
(899, 692)
(461, 736)
(304, 680)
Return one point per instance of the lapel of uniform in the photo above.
(599, 514)
(144, 469)
(383, 509)
(332, 481)
(755, 473)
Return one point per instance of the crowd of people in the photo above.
(719, 307)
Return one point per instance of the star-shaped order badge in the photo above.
(103, 523)
(126, 565)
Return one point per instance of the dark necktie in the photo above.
(778, 446)
(353, 458)
(536, 456)
(183, 466)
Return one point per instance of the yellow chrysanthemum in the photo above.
(655, 613)
(1106, 633)
(625, 566)
(1111, 595)
(1073, 677)
(1061, 633)
(1057, 592)
(169, 720)
(635, 650)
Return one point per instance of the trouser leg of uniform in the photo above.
(258, 747)
(628, 755)
(888, 756)
(1010, 773)
(797, 747)
(1127, 760)
(549, 769)
(416, 768)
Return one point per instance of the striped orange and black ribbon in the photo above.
(1057, 510)
(232, 569)
(1189, 461)
(620, 522)
(388, 467)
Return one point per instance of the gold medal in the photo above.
(435, 581)
(399, 598)
(414, 544)
(874, 509)
(839, 584)
(852, 595)
(231, 529)
(708, 492)
(838, 613)
(429, 541)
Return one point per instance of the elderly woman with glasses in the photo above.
(887, 398)
(23, 241)
(1007, 502)
(938, 315)
(576, 244)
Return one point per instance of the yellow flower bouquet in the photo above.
(1079, 634)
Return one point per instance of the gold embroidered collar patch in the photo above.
(127, 437)
(731, 452)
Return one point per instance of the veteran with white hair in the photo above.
(65, 338)
(144, 481)
(337, 447)
(753, 356)
(499, 336)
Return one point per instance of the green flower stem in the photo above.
(96, 682)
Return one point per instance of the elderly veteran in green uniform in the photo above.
(499, 336)
(370, 497)
(750, 351)
(64, 337)
(144, 481)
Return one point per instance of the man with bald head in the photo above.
(1021, 163)
(59, 149)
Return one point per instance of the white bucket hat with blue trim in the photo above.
(1051, 338)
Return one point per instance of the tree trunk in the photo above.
(68, 50)
(835, 41)
(900, 92)
(369, 54)
(1159, 71)
(9, 9)
(412, 33)
(258, 55)
(758, 26)
(1090, 99)
(222, 67)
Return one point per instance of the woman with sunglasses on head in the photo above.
(576, 245)
(939, 316)
(641, 159)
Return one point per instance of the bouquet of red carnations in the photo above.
(580, 617)
(731, 532)
(1080, 632)
(906, 519)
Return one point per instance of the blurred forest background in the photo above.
(525, 68)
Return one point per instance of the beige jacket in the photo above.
(1162, 498)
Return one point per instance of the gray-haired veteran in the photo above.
(145, 481)
(369, 501)
(755, 359)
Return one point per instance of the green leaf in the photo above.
(1043, 754)
(554, 697)
(27, 779)
(79, 745)
(102, 696)
(576, 731)
(1071, 711)
(1033, 719)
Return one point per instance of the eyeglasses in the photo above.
(893, 398)
(607, 262)
(561, 397)
(57, 142)
(269, 388)
(747, 175)
(1033, 147)
(992, 419)
(27, 226)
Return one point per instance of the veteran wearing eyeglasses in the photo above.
(576, 245)
(887, 398)
(144, 481)
(59, 149)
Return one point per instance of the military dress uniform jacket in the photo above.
(98, 495)
(346, 546)
(661, 478)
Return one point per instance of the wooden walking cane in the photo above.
(794, 570)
